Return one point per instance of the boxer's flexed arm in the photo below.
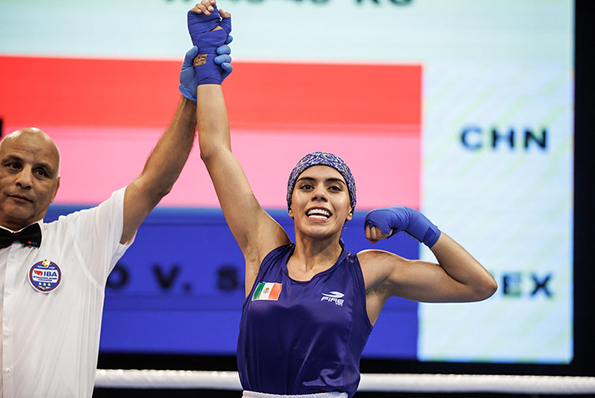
(456, 277)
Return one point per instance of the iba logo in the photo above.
(45, 276)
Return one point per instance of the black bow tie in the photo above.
(30, 236)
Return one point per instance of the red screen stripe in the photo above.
(99, 92)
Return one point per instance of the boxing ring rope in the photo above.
(422, 383)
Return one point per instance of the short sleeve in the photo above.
(97, 232)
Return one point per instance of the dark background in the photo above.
(583, 363)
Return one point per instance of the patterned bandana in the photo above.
(322, 159)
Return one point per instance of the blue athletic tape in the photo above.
(200, 27)
(403, 219)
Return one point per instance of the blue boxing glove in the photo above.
(200, 27)
(188, 80)
(392, 220)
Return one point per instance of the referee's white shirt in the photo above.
(50, 341)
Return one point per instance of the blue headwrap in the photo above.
(322, 159)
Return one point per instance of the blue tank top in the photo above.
(303, 337)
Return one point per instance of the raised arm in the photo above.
(456, 277)
(161, 169)
(254, 230)
(165, 163)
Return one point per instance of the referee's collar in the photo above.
(40, 222)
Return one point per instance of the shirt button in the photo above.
(7, 370)
(7, 330)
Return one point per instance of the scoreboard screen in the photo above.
(463, 109)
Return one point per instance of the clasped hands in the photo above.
(209, 61)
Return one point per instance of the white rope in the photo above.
(179, 379)
(211, 380)
(477, 383)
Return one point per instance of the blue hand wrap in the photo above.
(200, 27)
(188, 80)
(404, 219)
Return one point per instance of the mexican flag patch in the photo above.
(267, 291)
